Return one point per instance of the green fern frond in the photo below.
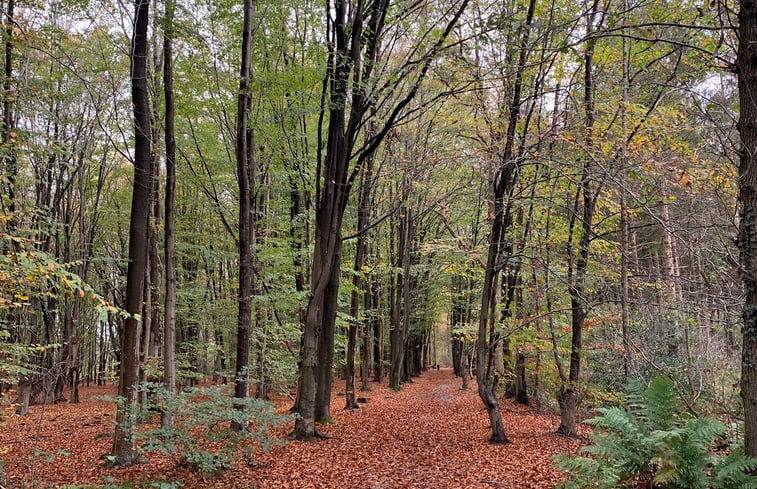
(734, 472)
(654, 441)
(660, 404)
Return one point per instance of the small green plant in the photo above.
(199, 436)
(653, 443)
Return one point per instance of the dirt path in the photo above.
(428, 435)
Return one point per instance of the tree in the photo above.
(500, 214)
(169, 335)
(9, 162)
(124, 452)
(587, 194)
(351, 72)
(361, 249)
(244, 155)
(746, 71)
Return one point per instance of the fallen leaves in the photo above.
(429, 434)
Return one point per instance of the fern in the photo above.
(733, 472)
(652, 443)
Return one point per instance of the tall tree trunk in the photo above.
(502, 186)
(406, 284)
(123, 442)
(169, 244)
(367, 334)
(746, 69)
(521, 391)
(356, 51)
(567, 396)
(483, 349)
(358, 282)
(378, 331)
(318, 331)
(245, 179)
(9, 164)
(152, 343)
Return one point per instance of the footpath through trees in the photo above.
(429, 434)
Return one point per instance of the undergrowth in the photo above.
(653, 443)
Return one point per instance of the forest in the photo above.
(378, 243)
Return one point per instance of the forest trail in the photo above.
(430, 434)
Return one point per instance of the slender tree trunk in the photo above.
(244, 176)
(152, 343)
(9, 164)
(482, 347)
(567, 396)
(123, 442)
(502, 186)
(397, 333)
(169, 321)
(406, 284)
(378, 331)
(358, 282)
(367, 334)
(624, 225)
(746, 69)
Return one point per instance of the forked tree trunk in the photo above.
(501, 188)
(356, 51)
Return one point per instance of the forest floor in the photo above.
(430, 434)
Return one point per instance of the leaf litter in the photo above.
(430, 434)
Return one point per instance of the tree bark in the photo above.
(356, 51)
(9, 163)
(358, 282)
(567, 396)
(123, 442)
(746, 69)
(378, 331)
(169, 245)
(521, 387)
(243, 152)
